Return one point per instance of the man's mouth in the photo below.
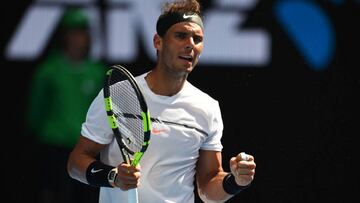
(186, 57)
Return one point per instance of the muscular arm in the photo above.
(209, 176)
(86, 151)
(83, 154)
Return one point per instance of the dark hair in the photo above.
(181, 6)
(178, 11)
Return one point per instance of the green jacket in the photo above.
(60, 94)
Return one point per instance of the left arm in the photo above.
(210, 174)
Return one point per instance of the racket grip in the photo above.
(133, 196)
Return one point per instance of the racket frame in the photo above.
(145, 115)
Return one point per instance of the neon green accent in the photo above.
(109, 72)
(146, 120)
(108, 103)
(149, 120)
(143, 114)
(137, 157)
(111, 120)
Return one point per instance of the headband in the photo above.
(166, 21)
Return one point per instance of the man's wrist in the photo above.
(112, 175)
(230, 186)
(97, 174)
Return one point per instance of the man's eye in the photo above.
(198, 39)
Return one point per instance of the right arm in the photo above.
(85, 153)
(81, 157)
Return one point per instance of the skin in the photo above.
(76, 44)
(182, 40)
(178, 53)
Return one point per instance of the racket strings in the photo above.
(128, 114)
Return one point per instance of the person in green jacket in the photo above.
(63, 86)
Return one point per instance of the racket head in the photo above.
(127, 112)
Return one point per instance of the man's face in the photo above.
(181, 47)
(77, 42)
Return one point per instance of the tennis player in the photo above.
(185, 148)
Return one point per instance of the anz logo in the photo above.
(124, 23)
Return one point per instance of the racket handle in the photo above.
(133, 196)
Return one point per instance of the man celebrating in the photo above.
(181, 150)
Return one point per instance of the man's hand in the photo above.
(128, 176)
(243, 168)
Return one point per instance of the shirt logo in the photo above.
(155, 131)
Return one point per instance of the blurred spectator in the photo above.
(63, 86)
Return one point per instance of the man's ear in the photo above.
(157, 40)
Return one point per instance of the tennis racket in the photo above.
(128, 117)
